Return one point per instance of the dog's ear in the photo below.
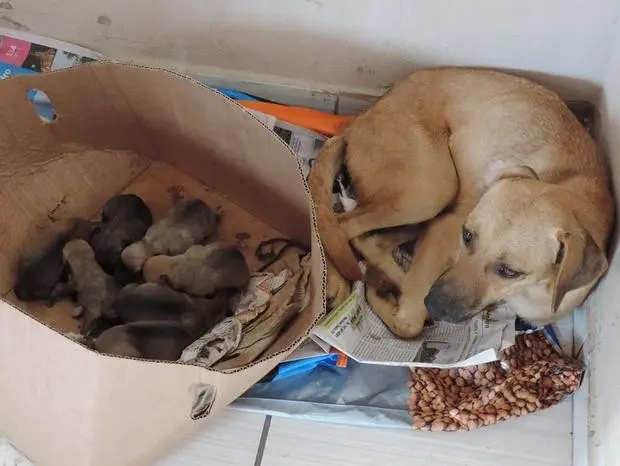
(580, 261)
(500, 171)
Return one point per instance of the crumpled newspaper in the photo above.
(214, 345)
(224, 339)
(259, 292)
(260, 332)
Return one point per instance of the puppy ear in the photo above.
(581, 262)
(501, 171)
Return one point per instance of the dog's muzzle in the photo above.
(443, 306)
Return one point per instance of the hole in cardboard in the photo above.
(42, 105)
(204, 396)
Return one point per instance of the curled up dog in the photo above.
(509, 190)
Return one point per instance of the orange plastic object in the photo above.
(321, 122)
(343, 359)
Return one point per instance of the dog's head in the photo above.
(524, 246)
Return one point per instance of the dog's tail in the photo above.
(321, 180)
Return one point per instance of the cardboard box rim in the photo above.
(317, 283)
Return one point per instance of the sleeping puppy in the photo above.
(163, 341)
(188, 223)
(41, 270)
(124, 220)
(95, 289)
(201, 270)
(153, 302)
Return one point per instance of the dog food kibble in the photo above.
(468, 398)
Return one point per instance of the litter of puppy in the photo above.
(155, 291)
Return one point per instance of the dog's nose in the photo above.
(436, 304)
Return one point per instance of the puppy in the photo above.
(124, 220)
(509, 190)
(201, 270)
(188, 223)
(163, 341)
(41, 271)
(95, 289)
(153, 302)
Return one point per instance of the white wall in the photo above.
(603, 344)
(357, 45)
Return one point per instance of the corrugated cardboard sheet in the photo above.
(160, 135)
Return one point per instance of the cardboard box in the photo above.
(119, 129)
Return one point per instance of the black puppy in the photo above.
(149, 340)
(41, 270)
(124, 220)
(154, 302)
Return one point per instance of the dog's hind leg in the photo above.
(418, 190)
(378, 249)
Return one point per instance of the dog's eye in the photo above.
(468, 236)
(506, 272)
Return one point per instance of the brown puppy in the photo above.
(95, 289)
(154, 302)
(201, 271)
(188, 223)
(511, 193)
(164, 341)
(40, 267)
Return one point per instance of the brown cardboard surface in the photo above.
(161, 136)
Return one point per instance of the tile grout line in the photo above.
(263, 441)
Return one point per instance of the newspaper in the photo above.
(305, 143)
(358, 332)
(24, 53)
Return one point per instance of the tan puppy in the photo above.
(95, 289)
(511, 191)
(201, 270)
(189, 222)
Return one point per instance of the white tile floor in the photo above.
(243, 439)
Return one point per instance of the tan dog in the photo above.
(510, 190)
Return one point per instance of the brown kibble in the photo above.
(419, 423)
(490, 376)
(467, 390)
(437, 426)
(460, 381)
(508, 395)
